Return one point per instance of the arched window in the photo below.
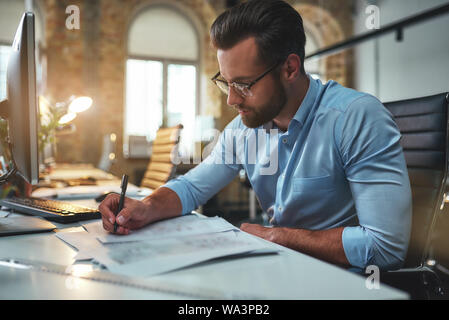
(161, 76)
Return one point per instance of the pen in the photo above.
(122, 198)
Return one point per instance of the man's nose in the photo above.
(233, 97)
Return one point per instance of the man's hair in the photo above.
(276, 26)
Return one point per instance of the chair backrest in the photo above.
(161, 168)
(423, 123)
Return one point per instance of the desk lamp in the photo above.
(57, 117)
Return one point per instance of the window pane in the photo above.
(4, 54)
(143, 98)
(181, 102)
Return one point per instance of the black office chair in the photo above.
(423, 123)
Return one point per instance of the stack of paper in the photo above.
(162, 246)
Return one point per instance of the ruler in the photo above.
(120, 280)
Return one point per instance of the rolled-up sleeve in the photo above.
(374, 163)
(209, 177)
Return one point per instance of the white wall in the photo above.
(11, 12)
(417, 66)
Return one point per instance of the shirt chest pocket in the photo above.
(313, 184)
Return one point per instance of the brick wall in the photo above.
(91, 61)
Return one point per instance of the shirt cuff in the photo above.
(358, 246)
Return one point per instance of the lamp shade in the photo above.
(67, 118)
(80, 104)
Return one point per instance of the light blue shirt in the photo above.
(339, 164)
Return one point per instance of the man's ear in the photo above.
(292, 67)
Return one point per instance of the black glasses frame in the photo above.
(246, 85)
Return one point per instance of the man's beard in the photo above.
(267, 112)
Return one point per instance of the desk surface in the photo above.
(82, 181)
(77, 171)
(286, 275)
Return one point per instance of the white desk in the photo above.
(78, 171)
(287, 275)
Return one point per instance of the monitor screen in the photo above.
(20, 108)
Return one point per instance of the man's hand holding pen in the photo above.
(134, 215)
(163, 203)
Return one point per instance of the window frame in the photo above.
(165, 63)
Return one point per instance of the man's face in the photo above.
(241, 64)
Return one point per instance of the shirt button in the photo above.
(284, 140)
(279, 208)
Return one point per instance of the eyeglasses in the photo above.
(243, 89)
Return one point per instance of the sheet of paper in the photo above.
(148, 258)
(169, 245)
(81, 241)
(177, 227)
(86, 241)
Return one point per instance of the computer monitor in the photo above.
(20, 107)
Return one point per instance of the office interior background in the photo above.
(147, 64)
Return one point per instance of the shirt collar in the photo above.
(308, 101)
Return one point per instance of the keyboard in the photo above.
(54, 210)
